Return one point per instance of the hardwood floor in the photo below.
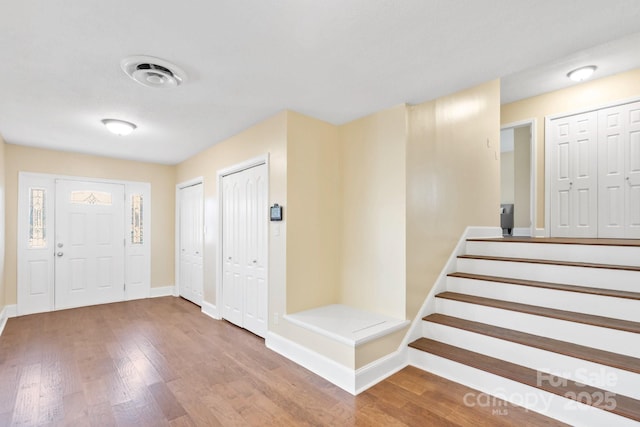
(160, 362)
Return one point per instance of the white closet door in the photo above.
(232, 250)
(254, 181)
(573, 172)
(632, 168)
(619, 172)
(244, 222)
(89, 267)
(191, 239)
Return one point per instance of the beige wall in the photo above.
(374, 200)
(453, 179)
(522, 176)
(2, 224)
(314, 213)
(161, 177)
(593, 94)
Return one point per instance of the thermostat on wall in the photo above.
(276, 212)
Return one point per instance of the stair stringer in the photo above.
(429, 305)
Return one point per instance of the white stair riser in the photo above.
(623, 280)
(617, 308)
(582, 371)
(549, 404)
(616, 255)
(591, 336)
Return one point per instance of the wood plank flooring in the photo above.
(160, 362)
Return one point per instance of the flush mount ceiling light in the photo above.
(153, 72)
(582, 73)
(119, 127)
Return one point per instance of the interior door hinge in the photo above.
(124, 286)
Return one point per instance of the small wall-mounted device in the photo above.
(276, 212)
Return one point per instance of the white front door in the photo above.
(191, 234)
(574, 176)
(89, 243)
(244, 224)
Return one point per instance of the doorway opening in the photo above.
(517, 179)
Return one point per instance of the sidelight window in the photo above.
(37, 219)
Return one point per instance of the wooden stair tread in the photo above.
(548, 285)
(602, 357)
(625, 406)
(552, 262)
(560, 241)
(588, 319)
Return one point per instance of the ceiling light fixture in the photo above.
(119, 127)
(582, 73)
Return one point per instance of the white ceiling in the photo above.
(336, 60)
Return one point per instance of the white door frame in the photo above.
(533, 173)
(142, 286)
(189, 183)
(547, 153)
(247, 164)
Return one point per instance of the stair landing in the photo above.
(562, 240)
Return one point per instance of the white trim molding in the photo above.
(521, 232)
(328, 369)
(353, 381)
(7, 312)
(210, 310)
(162, 291)
(378, 370)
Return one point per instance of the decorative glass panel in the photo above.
(37, 218)
(91, 198)
(136, 219)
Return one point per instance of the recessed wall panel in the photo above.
(38, 274)
(77, 274)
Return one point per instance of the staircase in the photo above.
(552, 325)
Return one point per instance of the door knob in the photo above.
(59, 254)
(60, 245)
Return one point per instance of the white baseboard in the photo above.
(319, 364)
(350, 380)
(540, 232)
(482, 232)
(7, 312)
(376, 371)
(210, 310)
(521, 232)
(163, 291)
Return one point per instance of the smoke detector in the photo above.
(153, 72)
